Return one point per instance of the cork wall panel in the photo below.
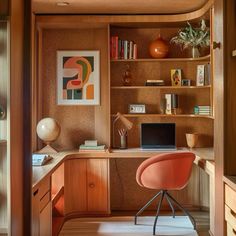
(77, 122)
(126, 194)
(203, 126)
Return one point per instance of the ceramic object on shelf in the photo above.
(195, 52)
(127, 77)
(192, 140)
(159, 48)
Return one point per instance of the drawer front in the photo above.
(44, 187)
(230, 230)
(44, 201)
(230, 216)
(230, 198)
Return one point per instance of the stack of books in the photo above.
(122, 49)
(202, 110)
(92, 146)
(153, 82)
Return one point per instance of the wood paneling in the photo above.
(16, 160)
(118, 7)
(97, 185)
(4, 7)
(219, 142)
(75, 186)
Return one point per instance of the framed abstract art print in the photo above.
(78, 78)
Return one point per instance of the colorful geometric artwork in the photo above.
(78, 81)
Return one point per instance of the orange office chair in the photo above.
(168, 171)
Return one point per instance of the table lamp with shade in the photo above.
(128, 125)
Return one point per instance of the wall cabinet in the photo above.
(86, 186)
(41, 209)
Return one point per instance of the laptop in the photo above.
(158, 136)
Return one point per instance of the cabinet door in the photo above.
(97, 181)
(75, 186)
(45, 228)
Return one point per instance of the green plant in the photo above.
(194, 37)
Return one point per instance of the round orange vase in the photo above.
(159, 48)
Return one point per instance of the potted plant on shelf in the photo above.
(193, 37)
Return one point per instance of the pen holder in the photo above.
(123, 141)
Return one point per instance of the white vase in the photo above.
(195, 52)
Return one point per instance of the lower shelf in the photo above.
(165, 115)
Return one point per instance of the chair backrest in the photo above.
(167, 171)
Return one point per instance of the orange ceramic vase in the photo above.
(159, 48)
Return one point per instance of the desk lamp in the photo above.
(128, 125)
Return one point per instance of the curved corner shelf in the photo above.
(165, 115)
(160, 87)
(205, 58)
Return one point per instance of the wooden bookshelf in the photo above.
(204, 58)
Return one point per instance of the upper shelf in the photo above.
(205, 58)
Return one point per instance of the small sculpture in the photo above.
(127, 77)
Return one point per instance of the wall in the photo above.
(77, 122)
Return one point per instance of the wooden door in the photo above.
(97, 185)
(45, 217)
(75, 186)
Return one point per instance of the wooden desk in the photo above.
(89, 174)
(204, 159)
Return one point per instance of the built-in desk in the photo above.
(85, 179)
(204, 158)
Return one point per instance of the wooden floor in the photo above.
(124, 226)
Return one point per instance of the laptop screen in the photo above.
(158, 135)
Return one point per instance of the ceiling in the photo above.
(117, 6)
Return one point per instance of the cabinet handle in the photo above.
(91, 185)
(216, 45)
(35, 192)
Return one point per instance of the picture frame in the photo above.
(78, 77)
(137, 108)
(176, 77)
(186, 82)
(200, 80)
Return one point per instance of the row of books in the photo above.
(157, 82)
(202, 110)
(92, 146)
(122, 49)
(203, 75)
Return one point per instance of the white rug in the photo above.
(124, 226)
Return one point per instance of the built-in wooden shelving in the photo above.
(166, 115)
(161, 87)
(205, 58)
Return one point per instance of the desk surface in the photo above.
(204, 158)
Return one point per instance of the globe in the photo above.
(48, 130)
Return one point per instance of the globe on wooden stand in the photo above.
(48, 130)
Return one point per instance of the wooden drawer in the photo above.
(44, 187)
(44, 201)
(230, 198)
(230, 230)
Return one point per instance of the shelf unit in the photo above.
(145, 68)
